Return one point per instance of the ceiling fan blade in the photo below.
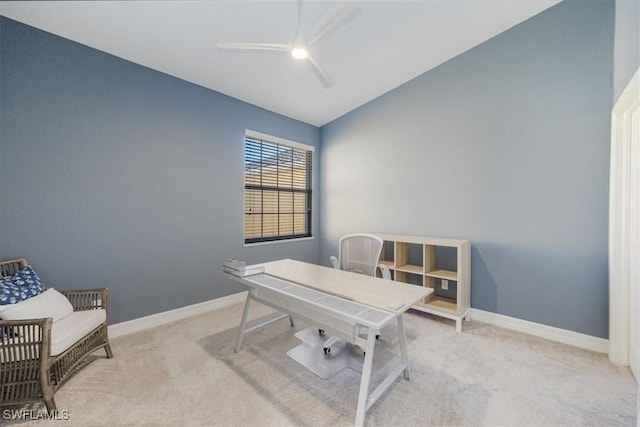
(320, 73)
(335, 18)
(254, 46)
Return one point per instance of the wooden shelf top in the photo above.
(436, 241)
(441, 305)
(409, 268)
(443, 274)
(388, 263)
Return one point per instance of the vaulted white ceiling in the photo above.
(387, 44)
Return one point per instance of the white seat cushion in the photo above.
(50, 303)
(68, 331)
(65, 332)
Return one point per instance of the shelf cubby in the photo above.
(411, 278)
(408, 257)
(387, 255)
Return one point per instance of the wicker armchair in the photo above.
(28, 371)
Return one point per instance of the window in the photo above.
(277, 189)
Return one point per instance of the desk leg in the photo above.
(367, 366)
(404, 354)
(243, 323)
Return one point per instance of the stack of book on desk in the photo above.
(240, 269)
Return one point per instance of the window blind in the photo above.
(277, 190)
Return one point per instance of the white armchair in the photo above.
(46, 338)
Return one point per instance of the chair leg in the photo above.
(328, 343)
(50, 403)
(107, 348)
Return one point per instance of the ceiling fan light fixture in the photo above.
(299, 52)
(336, 17)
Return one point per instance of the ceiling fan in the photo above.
(336, 17)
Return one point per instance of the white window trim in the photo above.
(259, 135)
(276, 242)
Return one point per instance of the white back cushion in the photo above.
(50, 303)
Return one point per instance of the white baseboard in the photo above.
(587, 342)
(564, 336)
(159, 319)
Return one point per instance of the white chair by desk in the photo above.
(357, 253)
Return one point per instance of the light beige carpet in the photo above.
(187, 374)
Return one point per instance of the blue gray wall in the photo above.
(112, 174)
(627, 44)
(115, 175)
(506, 145)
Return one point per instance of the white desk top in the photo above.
(371, 291)
(355, 312)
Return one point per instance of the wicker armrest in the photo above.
(24, 340)
(87, 299)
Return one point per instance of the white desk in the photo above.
(340, 303)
